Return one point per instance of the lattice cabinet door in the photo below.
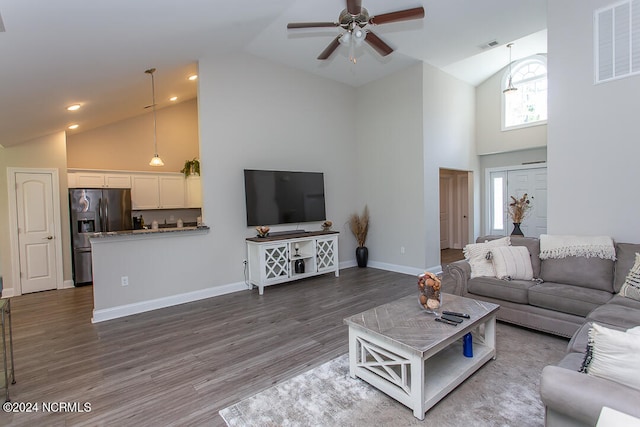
(327, 254)
(275, 262)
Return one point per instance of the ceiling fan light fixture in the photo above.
(358, 35)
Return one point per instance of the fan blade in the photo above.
(354, 7)
(311, 24)
(376, 42)
(400, 15)
(329, 50)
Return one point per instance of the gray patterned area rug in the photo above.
(504, 392)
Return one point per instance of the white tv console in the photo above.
(271, 259)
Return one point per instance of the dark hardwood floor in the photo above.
(449, 255)
(180, 365)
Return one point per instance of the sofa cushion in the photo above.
(476, 254)
(625, 302)
(566, 298)
(613, 355)
(572, 361)
(625, 258)
(579, 340)
(616, 315)
(512, 262)
(507, 290)
(593, 273)
(533, 245)
(631, 286)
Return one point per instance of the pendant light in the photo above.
(156, 160)
(510, 86)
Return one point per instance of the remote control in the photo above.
(451, 318)
(438, 319)
(453, 313)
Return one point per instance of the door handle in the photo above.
(48, 238)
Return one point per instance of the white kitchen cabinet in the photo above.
(81, 179)
(117, 180)
(272, 260)
(172, 191)
(72, 180)
(145, 192)
(194, 192)
(158, 191)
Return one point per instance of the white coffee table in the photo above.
(400, 349)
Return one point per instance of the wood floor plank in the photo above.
(181, 365)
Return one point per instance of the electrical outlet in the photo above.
(124, 280)
(244, 262)
(402, 249)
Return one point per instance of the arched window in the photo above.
(526, 106)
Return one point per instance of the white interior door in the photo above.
(463, 196)
(36, 231)
(534, 183)
(504, 183)
(445, 211)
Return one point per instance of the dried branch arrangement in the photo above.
(519, 208)
(359, 225)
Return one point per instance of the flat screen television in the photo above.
(283, 197)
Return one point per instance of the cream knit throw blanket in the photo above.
(552, 246)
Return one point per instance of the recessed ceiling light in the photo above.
(74, 126)
(193, 77)
(173, 98)
(73, 107)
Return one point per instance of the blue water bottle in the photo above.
(467, 345)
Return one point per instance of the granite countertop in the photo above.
(148, 231)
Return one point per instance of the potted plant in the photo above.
(518, 211)
(191, 167)
(359, 225)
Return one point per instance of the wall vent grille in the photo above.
(617, 41)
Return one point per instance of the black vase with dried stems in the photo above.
(359, 225)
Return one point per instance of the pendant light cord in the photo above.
(153, 108)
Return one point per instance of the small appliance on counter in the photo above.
(138, 222)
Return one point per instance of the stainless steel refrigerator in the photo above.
(95, 210)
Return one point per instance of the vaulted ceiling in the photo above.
(57, 53)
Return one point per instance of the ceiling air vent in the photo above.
(489, 45)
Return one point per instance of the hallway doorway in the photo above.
(456, 196)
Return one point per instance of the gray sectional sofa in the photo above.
(572, 293)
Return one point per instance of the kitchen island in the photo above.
(140, 270)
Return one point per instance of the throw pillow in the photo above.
(613, 355)
(631, 286)
(512, 263)
(476, 255)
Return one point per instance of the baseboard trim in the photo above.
(68, 284)
(403, 268)
(141, 307)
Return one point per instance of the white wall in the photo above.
(593, 146)
(489, 134)
(44, 152)
(258, 115)
(410, 125)
(390, 170)
(449, 143)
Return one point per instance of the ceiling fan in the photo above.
(354, 19)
